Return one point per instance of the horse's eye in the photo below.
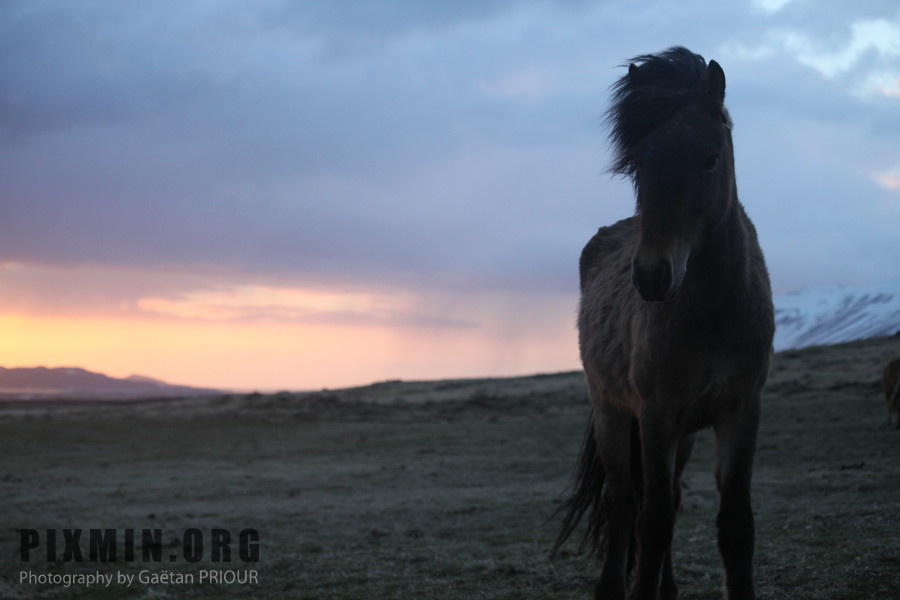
(711, 163)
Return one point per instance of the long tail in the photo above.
(584, 497)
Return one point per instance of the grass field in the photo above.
(438, 489)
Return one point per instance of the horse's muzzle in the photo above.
(658, 279)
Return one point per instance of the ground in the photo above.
(438, 489)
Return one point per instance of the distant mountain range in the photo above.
(833, 314)
(72, 382)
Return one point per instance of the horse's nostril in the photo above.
(654, 280)
(665, 277)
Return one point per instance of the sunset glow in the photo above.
(261, 337)
(273, 356)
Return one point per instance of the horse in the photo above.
(675, 326)
(890, 379)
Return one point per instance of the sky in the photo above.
(297, 195)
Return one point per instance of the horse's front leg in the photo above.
(613, 434)
(736, 440)
(657, 519)
(668, 588)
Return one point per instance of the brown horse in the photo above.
(675, 328)
(891, 381)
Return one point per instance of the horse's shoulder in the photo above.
(607, 244)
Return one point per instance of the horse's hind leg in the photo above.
(613, 433)
(736, 439)
(668, 589)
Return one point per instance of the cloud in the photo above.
(254, 302)
(771, 6)
(880, 37)
(861, 52)
(890, 179)
(401, 144)
(264, 304)
(887, 84)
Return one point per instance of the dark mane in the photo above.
(655, 88)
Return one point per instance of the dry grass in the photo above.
(442, 489)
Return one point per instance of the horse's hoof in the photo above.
(606, 591)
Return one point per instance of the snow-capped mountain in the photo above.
(832, 314)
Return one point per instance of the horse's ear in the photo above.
(632, 72)
(715, 82)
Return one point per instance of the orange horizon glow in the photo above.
(267, 357)
(251, 337)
